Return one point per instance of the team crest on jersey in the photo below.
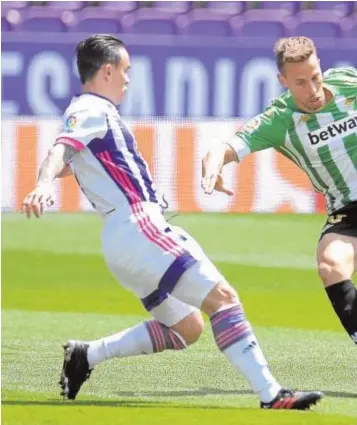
(304, 118)
(349, 102)
(70, 123)
(334, 219)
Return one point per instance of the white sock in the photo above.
(145, 338)
(130, 342)
(235, 338)
(248, 358)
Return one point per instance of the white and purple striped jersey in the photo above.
(108, 166)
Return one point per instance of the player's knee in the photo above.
(335, 259)
(221, 295)
(324, 268)
(226, 294)
(332, 269)
(191, 327)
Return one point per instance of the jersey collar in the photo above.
(100, 96)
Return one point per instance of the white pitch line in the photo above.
(287, 261)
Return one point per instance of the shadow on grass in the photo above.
(136, 401)
(214, 391)
(186, 393)
(108, 403)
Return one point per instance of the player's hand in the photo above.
(38, 200)
(212, 176)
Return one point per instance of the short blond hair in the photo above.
(293, 50)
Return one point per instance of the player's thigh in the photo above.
(339, 238)
(197, 283)
(336, 257)
(202, 285)
(185, 240)
(157, 276)
(139, 259)
(142, 266)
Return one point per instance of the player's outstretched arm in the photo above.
(212, 166)
(55, 165)
(267, 130)
(67, 171)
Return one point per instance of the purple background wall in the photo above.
(170, 76)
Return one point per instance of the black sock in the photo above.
(343, 297)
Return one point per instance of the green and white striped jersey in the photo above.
(324, 145)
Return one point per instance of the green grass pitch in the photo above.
(55, 286)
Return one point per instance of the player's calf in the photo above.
(148, 337)
(164, 338)
(336, 264)
(343, 297)
(145, 338)
(235, 338)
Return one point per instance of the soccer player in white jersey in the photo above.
(314, 124)
(162, 264)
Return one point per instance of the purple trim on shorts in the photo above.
(169, 280)
(154, 299)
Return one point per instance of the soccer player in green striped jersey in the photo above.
(314, 124)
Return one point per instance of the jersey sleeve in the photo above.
(345, 79)
(81, 127)
(261, 132)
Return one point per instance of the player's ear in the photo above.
(282, 80)
(107, 71)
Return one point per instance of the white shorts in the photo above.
(162, 264)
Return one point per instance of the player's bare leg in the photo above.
(337, 259)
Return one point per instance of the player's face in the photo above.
(119, 78)
(305, 82)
